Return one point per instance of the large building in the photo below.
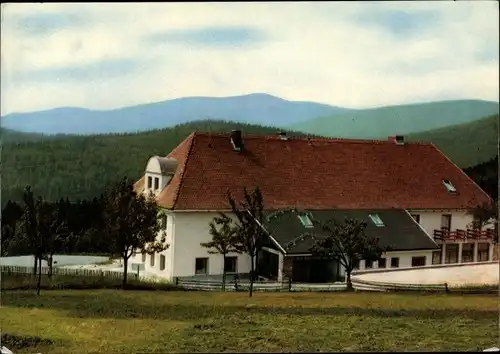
(411, 195)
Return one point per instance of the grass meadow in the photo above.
(132, 321)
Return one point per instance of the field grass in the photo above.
(113, 321)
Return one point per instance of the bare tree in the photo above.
(223, 241)
(56, 233)
(249, 233)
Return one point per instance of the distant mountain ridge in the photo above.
(262, 109)
(381, 122)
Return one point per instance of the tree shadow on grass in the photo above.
(21, 342)
(87, 305)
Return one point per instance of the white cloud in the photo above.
(322, 52)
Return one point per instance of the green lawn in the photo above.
(114, 321)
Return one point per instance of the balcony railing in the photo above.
(469, 234)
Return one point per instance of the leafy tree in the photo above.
(345, 242)
(487, 215)
(11, 214)
(33, 229)
(132, 223)
(224, 240)
(28, 232)
(249, 232)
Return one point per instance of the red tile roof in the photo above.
(315, 174)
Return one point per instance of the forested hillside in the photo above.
(486, 176)
(381, 122)
(466, 144)
(83, 166)
(12, 136)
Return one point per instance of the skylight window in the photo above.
(376, 220)
(305, 220)
(449, 186)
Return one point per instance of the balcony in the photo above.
(465, 235)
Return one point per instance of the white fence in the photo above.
(244, 285)
(63, 272)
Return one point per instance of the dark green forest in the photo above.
(486, 176)
(82, 167)
(466, 144)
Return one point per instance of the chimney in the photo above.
(398, 139)
(282, 135)
(236, 140)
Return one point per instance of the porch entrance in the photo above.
(310, 270)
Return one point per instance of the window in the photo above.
(150, 182)
(368, 264)
(376, 220)
(446, 222)
(230, 264)
(436, 257)
(305, 220)
(451, 255)
(395, 262)
(201, 266)
(164, 221)
(418, 261)
(144, 258)
(382, 263)
(483, 252)
(449, 186)
(467, 252)
(162, 262)
(152, 260)
(416, 217)
(157, 183)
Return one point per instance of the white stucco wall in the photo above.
(190, 229)
(153, 170)
(156, 270)
(186, 230)
(431, 220)
(470, 274)
(405, 258)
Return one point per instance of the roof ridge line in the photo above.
(181, 177)
(308, 138)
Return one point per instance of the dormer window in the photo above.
(305, 220)
(449, 186)
(150, 182)
(157, 183)
(376, 220)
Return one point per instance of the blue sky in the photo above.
(352, 54)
